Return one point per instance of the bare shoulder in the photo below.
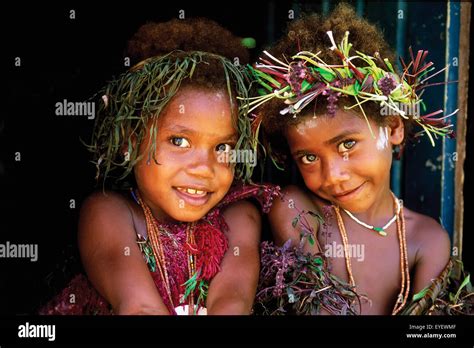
(105, 217)
(426, 233)
(242, 210)
(431, 245)
(104, 200)
(244, 221)
(293, 201)
(105, 205)
(294, 197)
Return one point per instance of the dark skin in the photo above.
(337, 155)
(188, 183)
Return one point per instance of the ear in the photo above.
(396, 130)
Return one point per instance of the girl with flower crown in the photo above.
(323, 87)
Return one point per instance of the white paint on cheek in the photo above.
(382, 140)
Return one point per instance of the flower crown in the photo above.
(307, 77)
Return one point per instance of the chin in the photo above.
(188, 216)
(358, 205)
(354, 207)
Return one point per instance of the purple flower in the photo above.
(332, 98)
(298, 72)
(387, 84)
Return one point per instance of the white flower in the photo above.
(106, 100)
(332, 40)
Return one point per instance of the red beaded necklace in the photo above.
(154, 236)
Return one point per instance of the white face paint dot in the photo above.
(308, 123)
(219, 95)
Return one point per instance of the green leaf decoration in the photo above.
(420, 294)
(318, 217)
(407, 89)
(389, 65)
(295, 221)
(305, 85)
(423, 105)
(262, 75)
(261, 91)
(357, 87)
(203, 291)
(249, 42)
(463, 284)
(318, 260)
(190, 285)
(349, 90)
(326, 74)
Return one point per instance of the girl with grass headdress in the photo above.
(181, 239)
(330, 89)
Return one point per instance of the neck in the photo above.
(382, 209)
(157, 213)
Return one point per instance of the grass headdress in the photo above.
(142, 93)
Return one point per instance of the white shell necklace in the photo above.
(380, 230)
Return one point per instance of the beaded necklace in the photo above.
(404, 267)
(153, 231)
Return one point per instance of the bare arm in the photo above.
(232, 290)
(112, 259)
(433, 253)
(284, 211)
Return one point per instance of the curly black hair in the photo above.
(193, 34)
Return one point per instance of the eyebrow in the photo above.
(180, 129)
(341, 136)
(300, 152)
(331, 141)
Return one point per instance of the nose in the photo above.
(334, 172)
(201, 164)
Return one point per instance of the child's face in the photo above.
(340, 160)
(189, 180)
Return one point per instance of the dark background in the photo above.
(72, 59)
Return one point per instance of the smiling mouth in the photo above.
(349, 194)
(192, 191)
(193, 196)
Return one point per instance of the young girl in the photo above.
(182, 240)
(330, 101)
